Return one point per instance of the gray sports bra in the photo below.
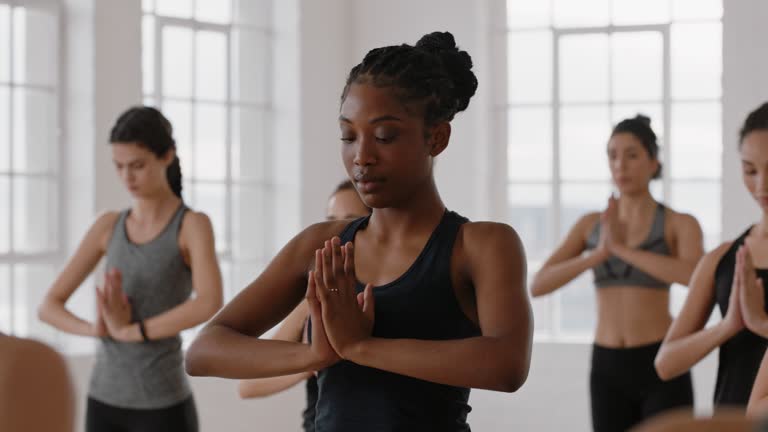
(616, 272)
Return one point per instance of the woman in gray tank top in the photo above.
(636, 248)
(158, 252)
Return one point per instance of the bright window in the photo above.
(571, 76)
(30, 212)
(207, 65)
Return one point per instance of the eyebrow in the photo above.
(375, 120)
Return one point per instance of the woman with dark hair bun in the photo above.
(731, 277)
(158, 251)
(411, 306)
(636, 249)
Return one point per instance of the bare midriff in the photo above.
(631, 316)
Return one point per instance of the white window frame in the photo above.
(53, 256)
(267, 186)
(555, 332)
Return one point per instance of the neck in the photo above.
(422, 212)
(630, 205)
(761, 229)
(156, 207)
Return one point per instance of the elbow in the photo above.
(513, 379)
(536, 289)
(661, 364)
(43, 312)
(195, 362)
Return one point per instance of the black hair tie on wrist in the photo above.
(143, 331)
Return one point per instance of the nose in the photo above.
(366, 152)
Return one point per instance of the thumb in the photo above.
(368, 302)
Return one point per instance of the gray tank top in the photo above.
(616, 272)
(155, 278)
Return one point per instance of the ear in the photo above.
(168, 157)
(438, 138)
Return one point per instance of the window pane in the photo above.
(696, 60)
(148, 6)
(174, 8)
(702, 200)
(5, 214)
(35, 214)
(210, 142)
(696, 146)
(285, 209)
(177, 61)
(35, 142)
(30, 282)
(578, 310)
(529, 66)
(180, 116)
(253, 12)
(211, 70)
(5, 43)
(584, 68)
(18, 49)
(148, 54)
(529, 215)
(250, 54)
(582, 13)
(217, 11)
(526, 13)
(35, 32)
(211, 199)
(634, 12)
(584, 133)
(578, 200)
(637, 66)
(5, 298)
(248, 222)
(529, 151)
(249, 150)
(697, 9)
(5, 129)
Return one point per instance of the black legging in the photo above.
(626, 390)
(101, 417)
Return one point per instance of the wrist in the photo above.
(356, 352)
(129, 333)
(727, 329)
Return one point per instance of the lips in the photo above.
(368, 183)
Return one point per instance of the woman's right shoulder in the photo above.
(103, 226)
(586, 224)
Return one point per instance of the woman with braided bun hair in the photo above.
(636, 249)
(411, 306)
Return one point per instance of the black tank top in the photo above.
(308, 415)
(741, 355)
(420, 304)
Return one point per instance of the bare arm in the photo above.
(230, 347)
(498, 359)
(687, 342)
(292, 329)
(197, 235)
(53, 308)
(758, 399)
(567, 262)
(670, 269)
